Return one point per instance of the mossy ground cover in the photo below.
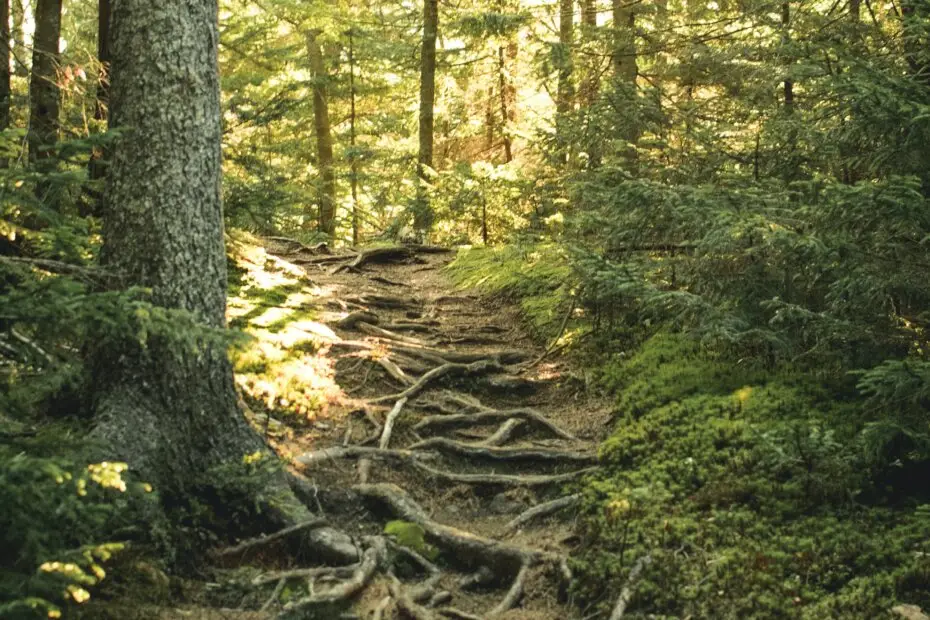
(750, 487)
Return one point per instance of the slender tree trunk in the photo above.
(590, 81)
(168, 409)
(624, 56)
(423, 213)
(18, 10)
(44, 94)
(5, 90)
(508, 96)
(104, 57)
(353, 173)
(324, 136)
(855, 10)
(789, 83)
(565, 93)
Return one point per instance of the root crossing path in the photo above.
(453, 460)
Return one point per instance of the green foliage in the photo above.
(56, 520)
(535, 275)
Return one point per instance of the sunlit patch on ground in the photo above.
(282, 368)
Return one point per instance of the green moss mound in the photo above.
(748, 491)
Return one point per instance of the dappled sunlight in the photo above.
(283, 367)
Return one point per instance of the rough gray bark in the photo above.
(565, 93)
(44, 94)
(423, 215)
(324, 136)
(170, 411)
(104, 57)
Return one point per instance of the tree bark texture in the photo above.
(565, 93)
(5, 91)
(423, 215)
(324, 136)
(44, 94)
(167, 409)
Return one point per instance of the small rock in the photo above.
(910, 612)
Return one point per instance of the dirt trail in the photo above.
(448, 427)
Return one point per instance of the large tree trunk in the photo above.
(168, 409)
(590, 80)
(423, 213)
(324, 136)
(44, 94)
(506, 62)
(353, 172)
(624, 56)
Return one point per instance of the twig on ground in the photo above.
(504, 432)
(555, 341)
(389, 422)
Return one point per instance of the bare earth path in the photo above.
(452, 437)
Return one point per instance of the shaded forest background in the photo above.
(728, 201)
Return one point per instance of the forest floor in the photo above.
(417, 411)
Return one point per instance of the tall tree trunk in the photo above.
(624, 54)
(423, 213)
(44, 94)
(508, 95)
(565, 93)
(18, 9)
(324, 136)
(353, 173)
(171, 410)
(5, 91)
(786, 25)
(590, 81)
(96, 169)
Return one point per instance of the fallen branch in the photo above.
(626, 594)
(513, 594)
(542, 510)
(488, 417)
(521, 480)
(344, 591)
(444, 444)
(315, 523)
(452, 368)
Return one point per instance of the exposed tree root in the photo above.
(371, 559)
(389, 423)
(309, 459)
(456, 614)
(424, 327)
(504, 433)
(521, 480)
(387, 281)
(406, 603)
(481, 366)
(513, 594)
(382, 301)
(543, 510)
(489, 417)
(395, 371)
(271, 577)
(469, 549)
(491, 453)
(355, 318)
(311, 524)
(629, 588)
(373, 330)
